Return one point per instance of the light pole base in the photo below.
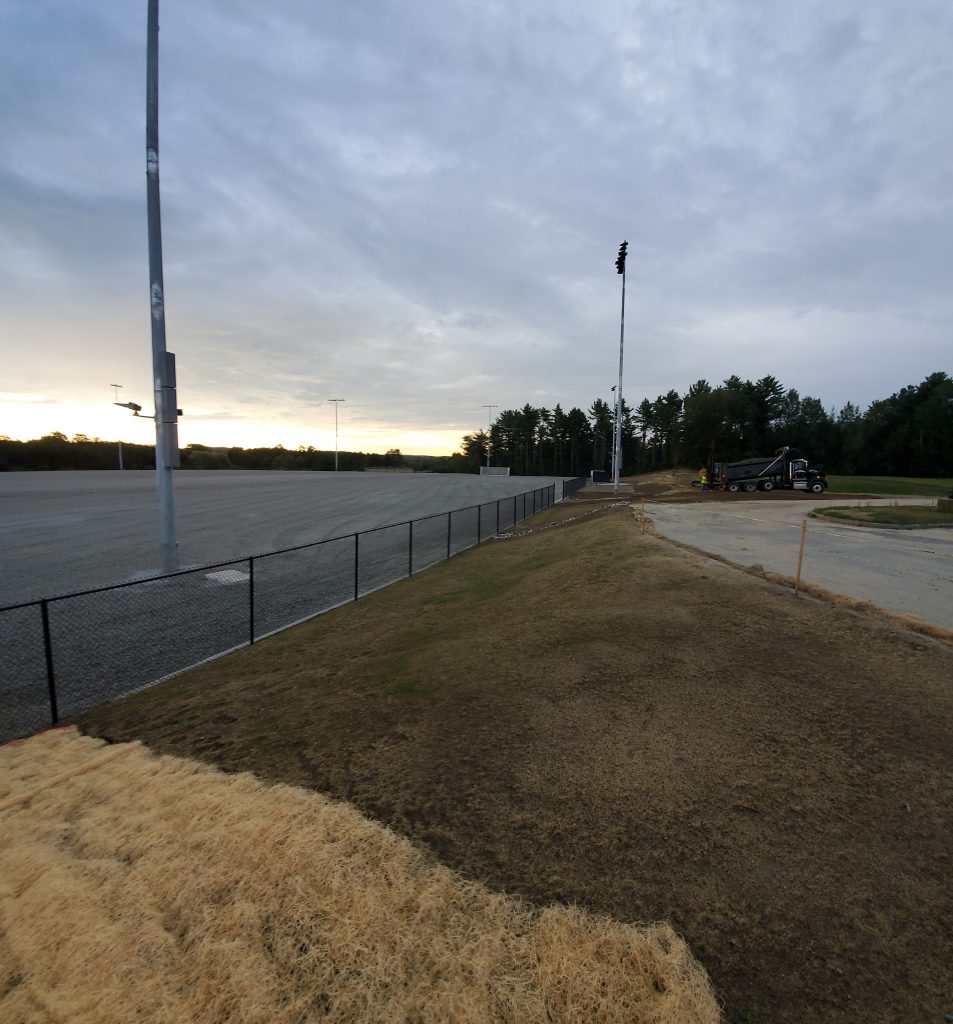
(169, 554)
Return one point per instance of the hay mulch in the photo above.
(148, 888)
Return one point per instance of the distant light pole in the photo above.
(116, 389)
(620, 269)
(163, 361)
(489, 413)
(336, 401)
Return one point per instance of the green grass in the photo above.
(930, 488)
(894, 515)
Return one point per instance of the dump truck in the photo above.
(782, 470)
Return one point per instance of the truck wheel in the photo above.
(734, 488)
(767, 485)
(817, 487)
(749, 487)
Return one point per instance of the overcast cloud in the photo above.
(416, 206)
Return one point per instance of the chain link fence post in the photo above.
(251, 600)
(357, 556)
(48, 648)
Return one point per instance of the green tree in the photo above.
(579, 440)
(668, 412)
(767, 401)
(704, 423)
(911, 432)
(474, 448)
(603, 426)
(645, 423)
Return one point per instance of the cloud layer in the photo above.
(417, 207)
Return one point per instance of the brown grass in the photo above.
(577, 716)
(137, 887)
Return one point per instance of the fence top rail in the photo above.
(127, 583)
(22, 604)
(260, 554)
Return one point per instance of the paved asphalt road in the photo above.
(61, 532)
(907, 571)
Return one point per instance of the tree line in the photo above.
(55, 451)
(908, 434)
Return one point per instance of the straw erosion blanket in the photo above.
(155, 889)
(591, 716)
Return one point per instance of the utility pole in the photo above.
(620, 269)
(163, 362)
(489, 413)
(336, 401)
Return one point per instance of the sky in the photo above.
(416, 206)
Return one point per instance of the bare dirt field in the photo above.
(589, 715)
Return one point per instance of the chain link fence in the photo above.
(66, 653)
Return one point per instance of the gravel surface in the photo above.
(61, 532)
(76, 531)
(906, 572)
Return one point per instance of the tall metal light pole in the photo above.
(163, 362)
(613, 390)
(336, 401)
(489, 427)
(116, 389)
(620, 268)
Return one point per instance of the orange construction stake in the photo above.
(800, 557)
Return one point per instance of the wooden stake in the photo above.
(642, 515)
(800, 557)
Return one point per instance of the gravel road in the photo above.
(910, 572)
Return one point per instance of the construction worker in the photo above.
(703, 478)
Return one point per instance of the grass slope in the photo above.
(917, 486)
(596, 717)
(894, 515)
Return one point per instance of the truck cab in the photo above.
(799, 474)
(803, 478)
